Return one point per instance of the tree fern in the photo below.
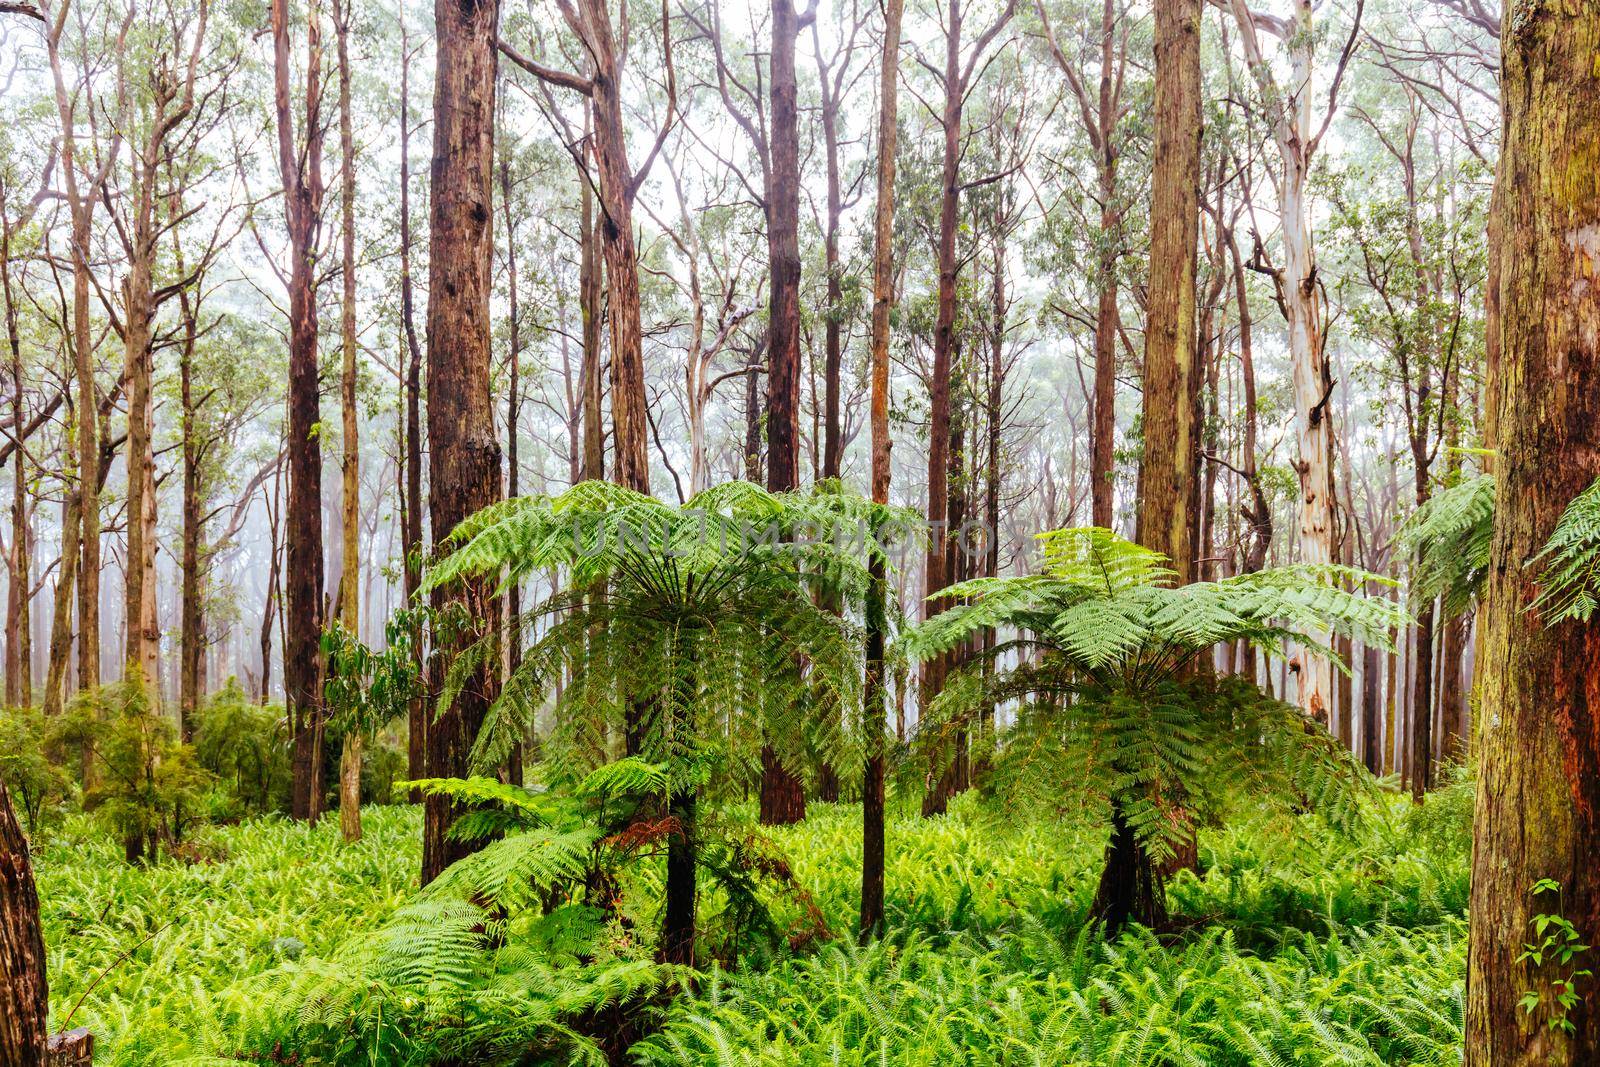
(1101, 676)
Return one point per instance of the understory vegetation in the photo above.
(268, 941)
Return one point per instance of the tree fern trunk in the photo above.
(1130, 889)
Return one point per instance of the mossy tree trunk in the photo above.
(1538, 809)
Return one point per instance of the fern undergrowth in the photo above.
(271, 943)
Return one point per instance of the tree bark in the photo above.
(350, 787)
(464, 452)
(1538, 808)
(1168, 472)
(24, 989)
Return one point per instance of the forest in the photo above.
(916, 532)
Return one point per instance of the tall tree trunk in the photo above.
(590, 290)
(783, 797)
(411, 517)
(934, 577)
(1099, 116)
(1538, 809)
(191, 626)
(1169, 360)
(513, 638)
(874, 705)
(24, 988)
(1297, 138)
(302, 180)
(464, 453)
(19, 644)
(350, 786)
(1167, 475)
(350, 463)
(833, 310)
(138, 312)
(86, 513)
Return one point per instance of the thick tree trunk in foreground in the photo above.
(464, 452)
(874, 706)
(302, 180)
(1538, 809)
(24, 995)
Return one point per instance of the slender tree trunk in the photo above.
(24, 989)
(1538, 809)
(350, 464)
(464, 453)
(274, 566)
(934, 575)
(752, 417)
(19, 644)
(411, 519)
(61, 618)
(591, 286)
(350, 787)
(873, 707)
(1371, 706)
(86, 512)
(191, 625)
(513, 653)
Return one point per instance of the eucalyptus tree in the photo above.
(463, 448)
(300, 148)
(1287, 105)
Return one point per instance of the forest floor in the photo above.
(1294, 948)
